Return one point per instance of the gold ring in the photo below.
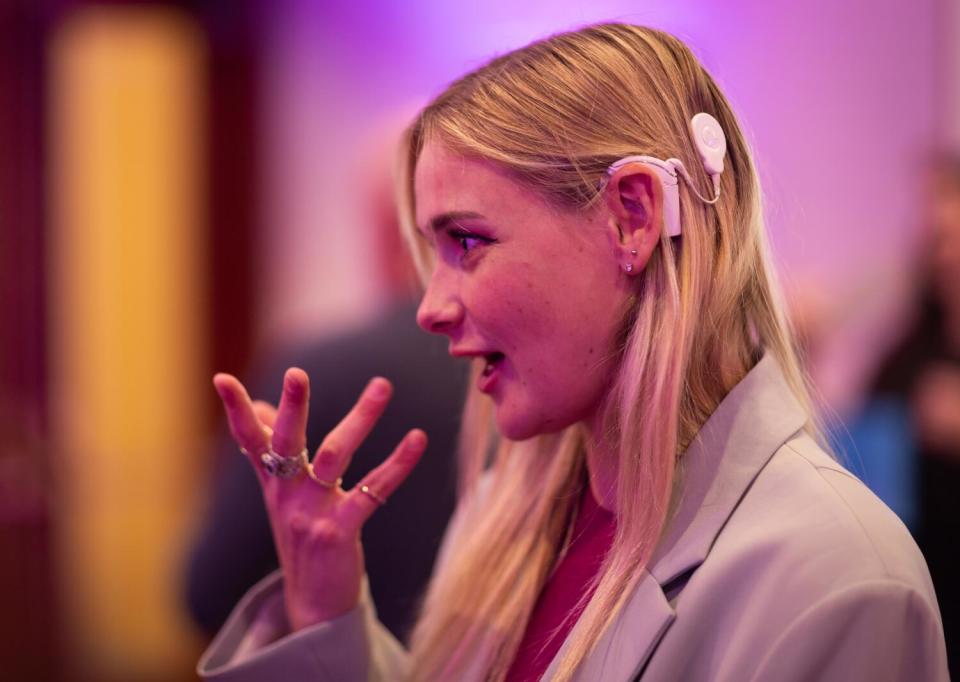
(308, 465)
(365, 489)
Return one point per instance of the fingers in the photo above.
(386, 478)
(290, 427)
(246, 428)
(333, 455)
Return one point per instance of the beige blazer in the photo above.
(777, 565)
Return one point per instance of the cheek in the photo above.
(566, 361)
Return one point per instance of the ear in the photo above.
(634, 200)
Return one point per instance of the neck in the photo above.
(601, 462)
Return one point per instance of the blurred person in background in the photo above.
(912, 412)
(655, 502)
(234, 549)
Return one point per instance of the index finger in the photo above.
(247, 430)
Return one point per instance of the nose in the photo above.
(440, 311)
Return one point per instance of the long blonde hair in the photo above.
(556, 114)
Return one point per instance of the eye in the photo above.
(468, 241)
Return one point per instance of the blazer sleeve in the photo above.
(255, 644)
(878, 630)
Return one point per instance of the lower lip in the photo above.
(488, 380)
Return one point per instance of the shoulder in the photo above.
(807, 511)
(811, 577)
(808, 538)
(807, 527)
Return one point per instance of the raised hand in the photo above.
(316, 524)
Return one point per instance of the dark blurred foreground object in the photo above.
(235, 549)
(31, 646)
(920, 379)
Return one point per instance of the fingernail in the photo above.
(379, 389)
(417, 439)
(294, 388)
(225, 395)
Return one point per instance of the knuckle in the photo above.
(326, 533)
(298, 525)
(285, 443)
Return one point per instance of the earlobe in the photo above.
(630, 255)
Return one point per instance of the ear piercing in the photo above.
(633, 252)
(628, 267)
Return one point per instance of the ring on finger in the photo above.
(365, 489)
(329, 485)
(283, 467)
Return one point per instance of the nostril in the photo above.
(440, 319)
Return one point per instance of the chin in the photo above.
(516, 427)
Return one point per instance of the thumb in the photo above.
(266, 413)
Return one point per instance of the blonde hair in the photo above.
(556, 114)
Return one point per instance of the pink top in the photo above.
(592, 536)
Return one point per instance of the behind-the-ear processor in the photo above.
(711, 144)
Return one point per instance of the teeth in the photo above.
(492, 360)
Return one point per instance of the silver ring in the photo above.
(365, 489)
(283, 467)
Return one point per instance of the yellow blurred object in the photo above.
(128, 341)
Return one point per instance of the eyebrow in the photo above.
(443, 220)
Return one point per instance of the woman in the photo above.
(586, 216)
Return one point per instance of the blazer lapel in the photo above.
(750, 424)
(758, 416)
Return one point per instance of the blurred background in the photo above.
(185, 184)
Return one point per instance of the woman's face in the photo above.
(536, 294)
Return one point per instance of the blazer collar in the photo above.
(750, 424)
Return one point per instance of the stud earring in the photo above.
(628, 267)
(633, 252)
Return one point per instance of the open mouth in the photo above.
(493, 361)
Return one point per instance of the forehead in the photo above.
(447, 182)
